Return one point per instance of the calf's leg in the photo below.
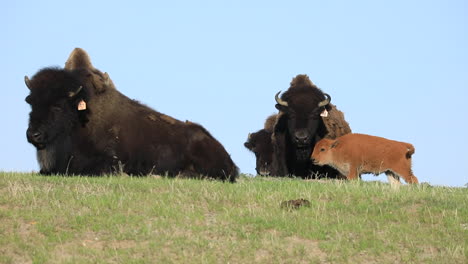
(407, 175)
(353, 173)
(393, 179)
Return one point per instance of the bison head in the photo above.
(260, 144)
(59, 97)
(322, 153)
(58, 104)
(301, 115)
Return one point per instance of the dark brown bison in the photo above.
(80, 105)
(355, 154)
(305, 116)
(260, 144)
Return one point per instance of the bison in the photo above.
(305, 116)
(356, 154)
(80, 105)
(260, 144)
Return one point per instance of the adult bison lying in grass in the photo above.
(80, 123)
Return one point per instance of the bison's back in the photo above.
(372, 151)
(207, 155)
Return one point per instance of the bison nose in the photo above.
(301, 137)
(35, 136)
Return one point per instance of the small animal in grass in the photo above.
(295, 204)
(356, 154)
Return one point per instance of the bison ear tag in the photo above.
(324, 113)
(81, 105)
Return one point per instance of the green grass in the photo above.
(119, 219)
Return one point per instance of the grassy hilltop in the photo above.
(54, 219)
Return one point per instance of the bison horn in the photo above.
(326, 101)
(71, 94)
(106, 79)
(249, 136)
(27, 82)
(279, 101)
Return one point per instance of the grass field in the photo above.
(119, 219)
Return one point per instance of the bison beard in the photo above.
(302, 153)
(114, 130)
(64, 156)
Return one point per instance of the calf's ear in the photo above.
(336, 143)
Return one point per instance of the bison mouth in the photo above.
(316, 162)
(263, 172)
(39, 146)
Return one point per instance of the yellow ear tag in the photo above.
(81, 105)
(324, 113)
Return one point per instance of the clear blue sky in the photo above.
(397, 69)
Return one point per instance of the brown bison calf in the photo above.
(356, 154)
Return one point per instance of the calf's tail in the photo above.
(410, 151)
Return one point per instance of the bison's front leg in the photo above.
(110, 149)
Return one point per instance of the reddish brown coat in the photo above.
(356, 154)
